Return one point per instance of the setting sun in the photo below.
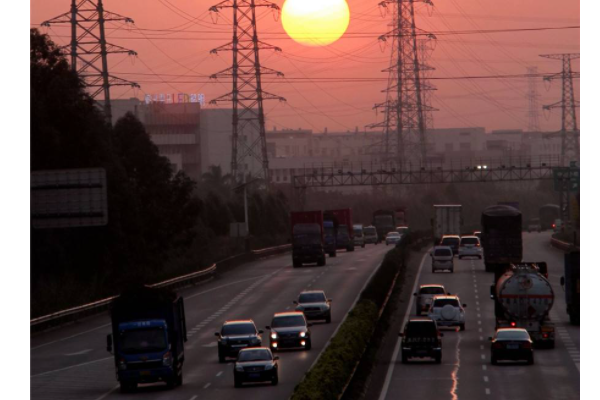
(315, 22)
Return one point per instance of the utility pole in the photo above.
(89, 47)
(248, 139)
(569, 131)
(405, 108)
(532, 98)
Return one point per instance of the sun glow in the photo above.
(315, 22)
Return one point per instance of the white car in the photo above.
(447, 311)
(392, 238)
(442, 259)
(470, 246)
(425, 296)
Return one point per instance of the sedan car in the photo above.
(470, 246)
(421, 338)
(256, 365)
(425, 296)
(289, 330)
(314, 304)
(392, 238)
(452, 241)
(512, 344)
(237, 335)
(448, 312)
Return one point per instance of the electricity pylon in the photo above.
(406, 109)
(89, 47)
(533, 124)
(248, 140)
(569, 131)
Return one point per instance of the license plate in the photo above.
(239, 345)
(254, 375)
(145, 373)
(512, 346)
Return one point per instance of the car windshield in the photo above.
(137, 341)
(444, 302)
(288, 321)
(433, 290)
(443, 253)
(469, 240)
(450, 241)
(311, 298)
(358, 231)
(420, 329)
(512, 335)
(255, 355)
(238, 329)
(370, 231)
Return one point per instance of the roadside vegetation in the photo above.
(161, 223)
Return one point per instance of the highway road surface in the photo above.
(466, 372)
(72, 362)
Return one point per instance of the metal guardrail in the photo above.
(72, 314)
(565, 246)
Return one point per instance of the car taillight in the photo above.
(513, 324)
(527, 345)
(478, 245)
(497, 345)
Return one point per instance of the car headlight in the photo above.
(268, 367)
(302, 334)
(274, 335)
(255, 340)
(239, 368)
(167, 359)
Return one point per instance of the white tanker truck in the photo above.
(523, 299)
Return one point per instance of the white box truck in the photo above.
(447, 220)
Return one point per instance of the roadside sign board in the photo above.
(68, 198)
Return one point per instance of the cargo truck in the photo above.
(345, 229)
(523, 299)
(384, 222)
(330, 229)
(501, 238)
(148, 335)
(307, 238)
(570, 284)
(447, 220)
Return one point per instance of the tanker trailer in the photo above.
(523, 299)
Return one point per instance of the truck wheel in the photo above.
(462, 327)
(127, 387)
(404, 358)
(321, 262)
(221, 357)
(328, 319)
(438, 358)
(297, 264)
(494, 360)
(308, 345)
(179, 379)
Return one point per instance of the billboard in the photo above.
(68, 198)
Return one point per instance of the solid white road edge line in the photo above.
(390, 371)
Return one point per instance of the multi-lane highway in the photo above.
(466, 372)
(72, 362)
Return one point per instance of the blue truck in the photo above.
(148, 335)
(330, 228)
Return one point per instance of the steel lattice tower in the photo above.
(406, 108)
(247, 95)
(569, 131)
(532, 98)
(89, 46)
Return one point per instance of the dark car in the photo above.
(235, 336)
(289, 330)
(315, 305)
(256, 365)
(512, 344)
(452, 241)
(421, 339)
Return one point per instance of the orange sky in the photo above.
(180, 60)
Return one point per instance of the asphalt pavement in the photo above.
(466, 371)
(72, 362)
